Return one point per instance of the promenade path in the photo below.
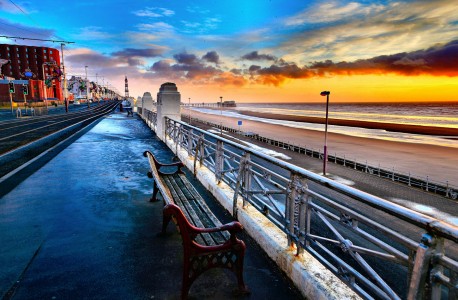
(81, 227)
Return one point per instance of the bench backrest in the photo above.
(168, 199)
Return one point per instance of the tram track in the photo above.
(23, 141)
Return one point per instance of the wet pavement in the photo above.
(81, 227)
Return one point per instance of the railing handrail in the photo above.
(426, 222)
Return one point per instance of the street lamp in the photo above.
(325, 158)
(87, 89)
(64, 79)
(221, 111)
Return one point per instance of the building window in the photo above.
(50, 51)
(17, 55)
(35, 56)
(26, 49)
(27, 55)
(17, 49)
(7, 48)
(46, 57)
(9, 54)
(18, 61)
(35, 50)
(44, 50)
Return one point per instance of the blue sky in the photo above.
(245, 49)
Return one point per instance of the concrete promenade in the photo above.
(81, 227)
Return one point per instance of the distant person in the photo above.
(126, 104)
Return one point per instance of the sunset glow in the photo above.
(256, 51)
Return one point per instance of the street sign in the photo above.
(239, 123)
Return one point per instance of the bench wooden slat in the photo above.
(221, 237)
(184, 204)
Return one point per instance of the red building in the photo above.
(29, 63)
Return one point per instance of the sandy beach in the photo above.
(429, 130)
(439, 163)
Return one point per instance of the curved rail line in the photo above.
(23, 140)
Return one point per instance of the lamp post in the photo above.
(65, 78)
(87, 89)
(189, 107)
(325, 158)
(221, 111)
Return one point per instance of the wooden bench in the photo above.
(206, 242)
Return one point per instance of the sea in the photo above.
(441, 114)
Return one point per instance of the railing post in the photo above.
(219, 161)
(247, 173)
(190, 135)
(421, 266)
(436, 272)
(296, 193)
(240, 184)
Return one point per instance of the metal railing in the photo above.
(426, 184)
(149, 116)
(380, 249)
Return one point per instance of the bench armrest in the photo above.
(231, 227)
(190, 231)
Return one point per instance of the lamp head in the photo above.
(325, 93)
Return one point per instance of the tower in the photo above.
(127, 88)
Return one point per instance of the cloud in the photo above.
(186, 58)
(440, 60)
(91, 33)
(155, 27)
(201, 27)
(254, 55)
(332, 12)
(187, 67)
(356, 30)
(9, 28)
(211, 56)
(154, 12)
(146, 52)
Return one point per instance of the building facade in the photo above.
(39, 65)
